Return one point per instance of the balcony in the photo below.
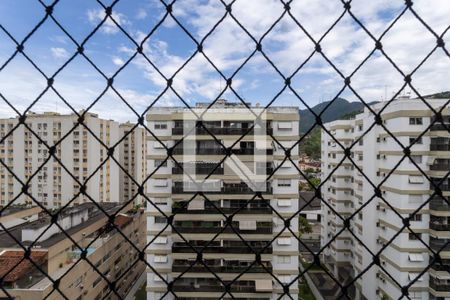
(439, 285)
(212, 286)
(439, 223)
(226, 189)
(444, 185)
(182, 265)
(440, 164)
(179, 150)
(216, 227)
(254, 207)
(230, 247)
(436, 244)
(439, 204)
(218, 131)
(439, 226)
(439, 127)
(212, 169)
(444, 266)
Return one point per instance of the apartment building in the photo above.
(81, 153)
(56, 255)
(201, 222)
(133, 160)
(377, 154)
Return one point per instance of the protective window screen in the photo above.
(224, 149)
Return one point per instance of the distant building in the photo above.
(55, 254)
(201, 220)
(81, 153)
(378, 154)
(133, 160)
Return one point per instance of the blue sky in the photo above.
(228, 46)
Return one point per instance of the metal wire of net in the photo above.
(437, 186)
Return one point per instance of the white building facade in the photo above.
(346, 190)
(203, 221)
(81, 152)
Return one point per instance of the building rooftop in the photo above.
(122, 220)
(305, 197)
(8, 241)
(12, 209)
(13, 264)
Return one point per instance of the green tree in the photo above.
(311, 144)
(303, 225)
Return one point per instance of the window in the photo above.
(160, 162)
(284, 182)
(160, 125)
(158, 145)
(284, 259)
(415, 217)
(284, 202)
(161, 183)
(413, 276)
(284, 278)
(160, 201)
(160, 240)
(160, 259)
(96, 281)
(416, 158)
(415, 179)
(284, 241)
(415, 121)
(415, 141)
(415, 257)
(160, 220)
(285, 126)
(415, 199)
(414, 237)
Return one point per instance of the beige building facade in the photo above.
(203, 220)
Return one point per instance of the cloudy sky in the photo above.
(226, 45)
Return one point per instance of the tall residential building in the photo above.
(202, 223)
(133, 160)
(377, 154)
(80, 152)
(114, 257)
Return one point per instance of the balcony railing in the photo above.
(439, 204)
(179, 150)
(183, 248)
(218, 131)
(202, 170)
(225, 210)
(217, 229)
(211, 287)
(255, 268)
(439, 147)
(444, 266)
(436, 244)
(439, 127)
(439, 286)
(440, 167)
(179, 189)
(439, 226)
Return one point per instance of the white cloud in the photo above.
(58, 52)
(95, 16)
(117, 61)
(141, 14)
